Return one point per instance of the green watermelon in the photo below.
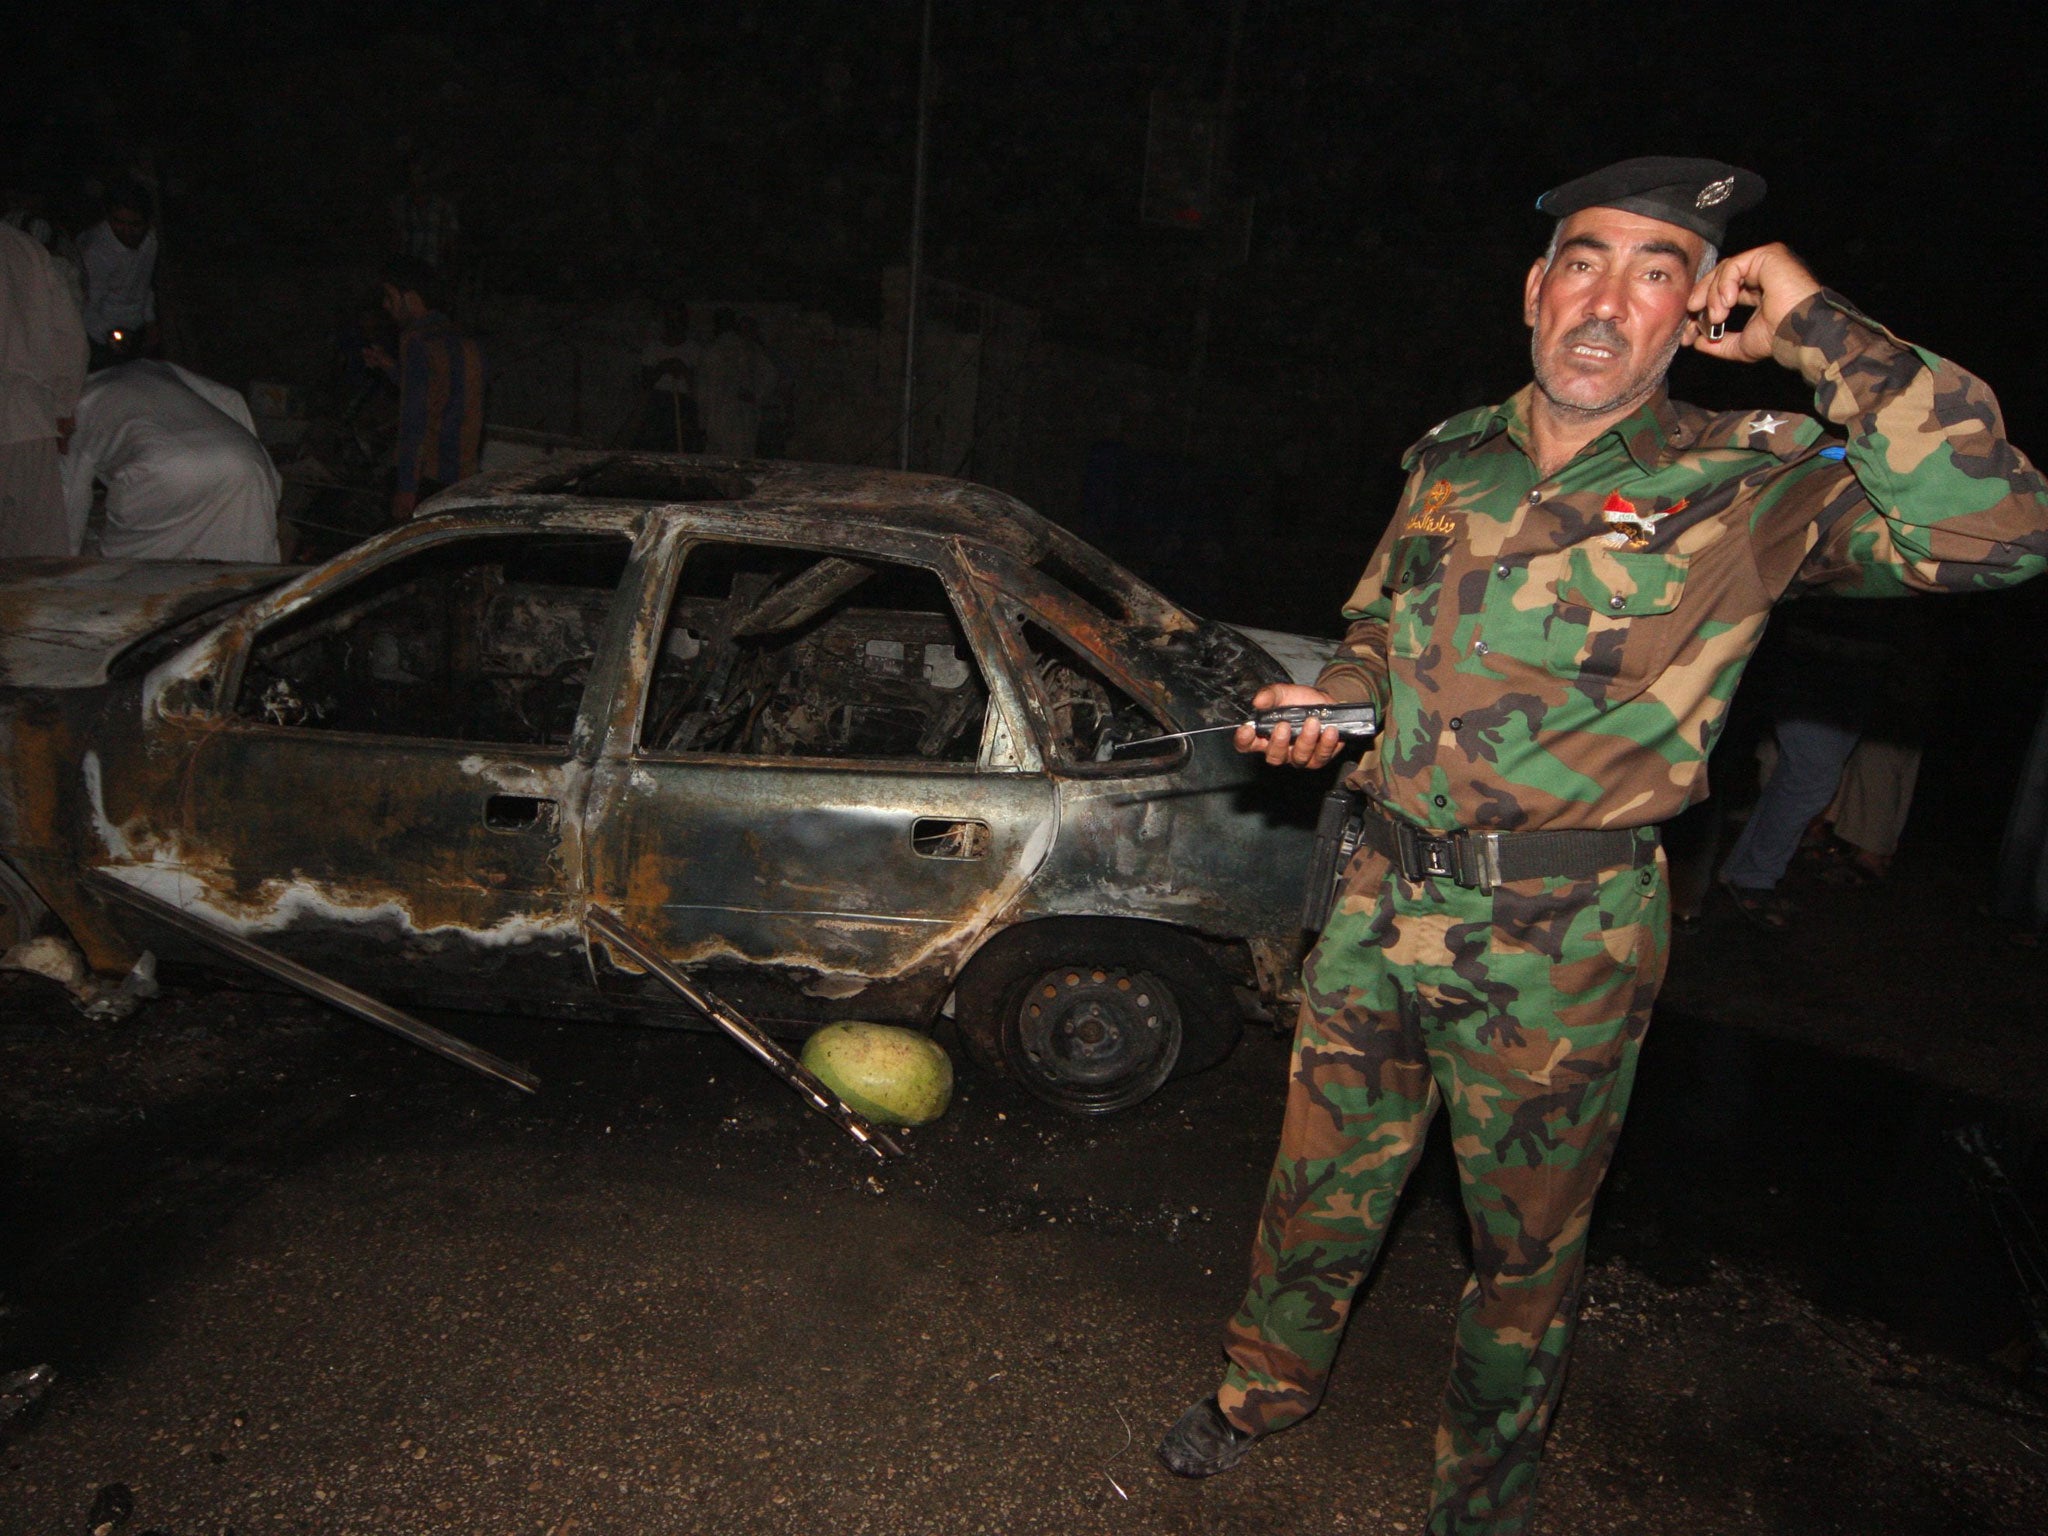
(894, 1076)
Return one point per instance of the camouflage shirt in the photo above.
(1560, 652)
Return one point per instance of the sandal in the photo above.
(1764, 909)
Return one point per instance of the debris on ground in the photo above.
(20, 1391)
(111, 1507)
(58, 959)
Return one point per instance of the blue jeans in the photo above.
(1810, 758)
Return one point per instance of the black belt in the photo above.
(1482, 860)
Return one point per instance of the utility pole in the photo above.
(924, 65)
(1212, 259)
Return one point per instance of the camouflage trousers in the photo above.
(1521, 1013)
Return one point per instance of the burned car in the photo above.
(844, 743)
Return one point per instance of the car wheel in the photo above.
(21, 910)
(1094, 1014)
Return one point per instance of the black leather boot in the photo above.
(1204, 1442)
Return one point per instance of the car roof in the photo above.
(931, 504)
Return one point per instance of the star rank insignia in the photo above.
(1766, 423)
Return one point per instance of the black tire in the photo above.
(21, 911)
(1093, 1014)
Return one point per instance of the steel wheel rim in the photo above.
(1096, 1037)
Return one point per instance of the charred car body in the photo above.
(843, 742)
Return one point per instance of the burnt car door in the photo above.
(820, 792)
(373, 771)
(1183, 832)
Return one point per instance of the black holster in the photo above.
(1338, 828)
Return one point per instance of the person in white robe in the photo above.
(42, 365)
(119, 256)
(186, 477)
(734, 377)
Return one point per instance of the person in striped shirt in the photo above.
(440, 376)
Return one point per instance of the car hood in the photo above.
(1304, 656)
(63, 621)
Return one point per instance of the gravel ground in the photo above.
(300, 1278)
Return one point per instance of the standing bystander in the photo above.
(667, 419)
(440, 377)
(29, 212)
(423, 221)
(42, 366)
(1871, 804)
(1838, 656)
(732, 382)
(119, 255)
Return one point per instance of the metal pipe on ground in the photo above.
(606, 927)
(312, 983)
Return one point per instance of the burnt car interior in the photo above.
(485, 639)
(1089, 715)
(767, 653)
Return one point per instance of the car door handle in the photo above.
(932, 838)
(518, 813)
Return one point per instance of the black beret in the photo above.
(1699, 195)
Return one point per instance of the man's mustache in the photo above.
(1596, 332)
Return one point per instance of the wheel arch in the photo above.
(1211, 1030)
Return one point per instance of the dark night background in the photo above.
(1393, 152)
(763, 152)
(293, 1273)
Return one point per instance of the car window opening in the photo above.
(487, 639)
(765, 654)
(1090, 714)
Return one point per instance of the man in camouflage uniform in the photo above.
(1552, 627)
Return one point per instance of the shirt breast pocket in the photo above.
(1615, 625)
(1415, 577)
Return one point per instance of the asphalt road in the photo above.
(298, 1277)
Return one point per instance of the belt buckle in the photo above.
(1436, 856)
(1470, 859)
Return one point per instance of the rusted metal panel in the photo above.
(373, 858)
(799, 881)
(44, 738)
(839, 494)
(1303, 656)
(439, 1041)
(810, 876)
(329, 798)
(815, 874)
(62, 621)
